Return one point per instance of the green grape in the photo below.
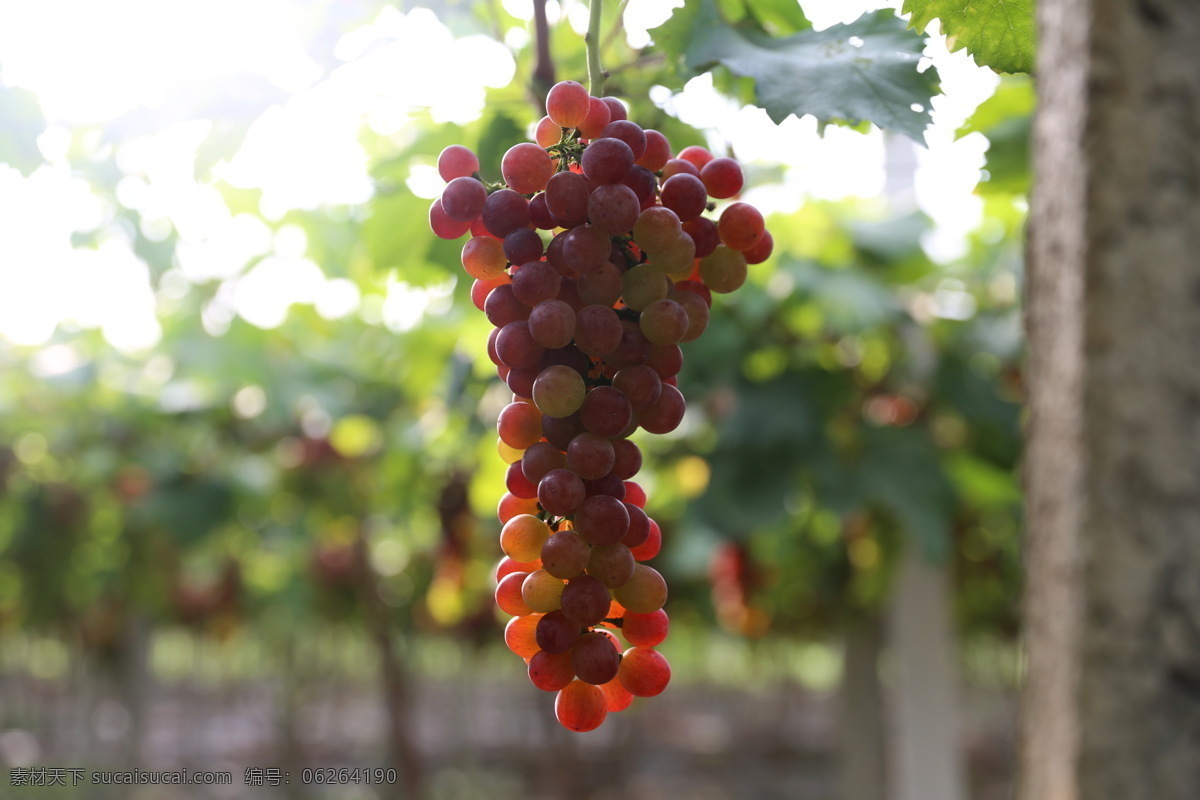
(541, 591)
(644, 592)
(643, 285)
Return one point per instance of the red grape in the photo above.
(457, 161)
(649, 548)
(560, 492)
(597, 117)
(595, 660)
(616, 108)
(555, 633)
(551, 672)
(644, 671)
(580, 706)
(565, 554)
(684, 194)
(508, 595)
(722, 177)
(520, 633)
(567, 198)
(696, 155)
(585, 600)
(645, 630)
(628, 132)
(463, 199)
(504, 211)
(567, 104)
(443, 225)
(741, 226)
(606, 160)
(658, 151)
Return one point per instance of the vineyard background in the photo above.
(247, 452)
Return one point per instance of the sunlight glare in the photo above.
(406, 305)
(263, 295)
(90, 62)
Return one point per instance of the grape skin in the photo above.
(644, 671)
(457, 161)
(647, 630)
(580, 706)
(595, 660)
(567, 104)
(551, 672)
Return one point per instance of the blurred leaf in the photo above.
(980, 483)
(993, 421)
(397, 233)
(1014, 97)
(851, 301)
(1006, 119)
(892, 239)
(864, 71)
(758, 423)
(775, 431)
(499, 134)
(188, 507)
(21, 123)
(900, 471)
(997, 33)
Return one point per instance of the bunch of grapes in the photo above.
(594, 260)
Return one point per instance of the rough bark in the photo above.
(1112, 698)
(1049, 726)
(927, 761)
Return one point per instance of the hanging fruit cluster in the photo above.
(594, 260)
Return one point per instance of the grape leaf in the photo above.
(998, 33)
(785, 16)
(866, 70)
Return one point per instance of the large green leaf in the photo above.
(866, 70)
(997, 33)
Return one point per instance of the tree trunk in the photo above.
(395, 682)
(860, 700)
(291, 751)
(927, 761)
(1111, 706)
(135, 684)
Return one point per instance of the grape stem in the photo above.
(596, 75)
(617, 621)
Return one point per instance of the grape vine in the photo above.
(594, 261)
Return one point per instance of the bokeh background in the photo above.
(248, 467)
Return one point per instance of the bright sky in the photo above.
(124, 55)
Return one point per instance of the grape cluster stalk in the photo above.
(594, 260)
